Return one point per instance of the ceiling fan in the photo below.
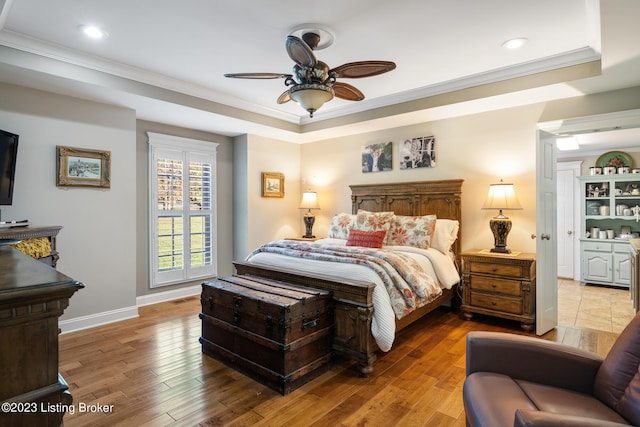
(313, 83)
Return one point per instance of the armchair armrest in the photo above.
(548, 419)
(532, 359)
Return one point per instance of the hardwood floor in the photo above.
(153, 373)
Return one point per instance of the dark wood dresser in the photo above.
(34, 232)
(32, 298)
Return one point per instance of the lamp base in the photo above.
(500, 227)
(309, 219)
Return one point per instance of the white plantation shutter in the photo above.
(182, 209)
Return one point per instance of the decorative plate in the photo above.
(615, 159)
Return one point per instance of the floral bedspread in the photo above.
(408, 284)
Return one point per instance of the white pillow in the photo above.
(445, 234)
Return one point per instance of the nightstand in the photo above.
(501, 285)
(305, 239)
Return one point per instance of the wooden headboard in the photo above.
(440, 198)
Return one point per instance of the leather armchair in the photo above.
(515, 380)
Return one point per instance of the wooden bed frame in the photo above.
(352, 299)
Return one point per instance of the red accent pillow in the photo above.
(367, 239)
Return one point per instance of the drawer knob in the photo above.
(493, 270)
(493, 285)
(493, 303)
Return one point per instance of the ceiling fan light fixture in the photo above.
(311, 96)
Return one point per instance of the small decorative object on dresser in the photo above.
(499, 285)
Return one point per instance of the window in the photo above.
(182, 209)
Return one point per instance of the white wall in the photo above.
(481, 149)
(97, 244)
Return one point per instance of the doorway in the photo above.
(592, 126)
(568, 219)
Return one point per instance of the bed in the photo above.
(354, 299)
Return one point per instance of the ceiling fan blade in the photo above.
(300, 52)
(258, 75)
(284, 97)
(348, 92)
(354, 70)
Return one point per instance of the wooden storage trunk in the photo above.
(277, 333)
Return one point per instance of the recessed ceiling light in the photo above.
(516, 43)
(92, 32)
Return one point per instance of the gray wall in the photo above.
(98, 242)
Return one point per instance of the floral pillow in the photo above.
(412, 231)
(367, 239)
(340, 226)
(373, 221)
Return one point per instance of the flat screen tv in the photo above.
(8, 154)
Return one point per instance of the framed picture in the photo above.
(81, 167)
(418, 153)
(377, 157)
(272, 184)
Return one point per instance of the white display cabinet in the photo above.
(610, 215)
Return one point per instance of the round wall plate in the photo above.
(615, 159)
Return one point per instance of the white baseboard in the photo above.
(168, 295)
(97, 319)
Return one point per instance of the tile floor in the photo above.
(593, 307)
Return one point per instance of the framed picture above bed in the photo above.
(377, 157)
(272, 184)
(418, 153)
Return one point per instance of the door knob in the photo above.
(545, 237)
(533, 236)
(569, 232)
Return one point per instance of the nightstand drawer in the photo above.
(497, 285)
(496, 269)
(493, 302)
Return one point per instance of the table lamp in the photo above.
(503, 197)
(309, 201)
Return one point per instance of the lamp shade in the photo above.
(311, 96)
(501, 196)
(309, 200)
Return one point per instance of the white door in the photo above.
(567, 201)
(546, 234)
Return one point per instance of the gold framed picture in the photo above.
(82, 167)
(272, 184)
